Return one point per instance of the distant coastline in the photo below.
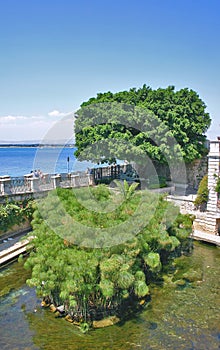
(35, 145)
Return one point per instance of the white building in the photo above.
(213, 209)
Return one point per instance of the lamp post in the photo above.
(68, 160)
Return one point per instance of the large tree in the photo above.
(161, 124)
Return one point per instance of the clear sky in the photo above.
(55, 54)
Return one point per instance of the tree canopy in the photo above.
(159, 124)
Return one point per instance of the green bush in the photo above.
(157, 182)
(202, 194)
(101, 192)
(104, 180)
(217, 187)
(15, 213)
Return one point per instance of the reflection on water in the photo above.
(177, 317)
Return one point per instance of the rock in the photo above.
(110, 321)
(180, 282)
(44, 304)
(69, 318)
(53, 308)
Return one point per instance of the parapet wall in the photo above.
(30, 186)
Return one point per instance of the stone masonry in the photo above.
(211, 224)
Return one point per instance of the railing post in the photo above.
(4, 185)
(83, 179)
(91, 179)
(56, 180)
(33, 184)
(74, 180)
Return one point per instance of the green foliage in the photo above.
(92, 283)
(126, 189)
(202, 194)
(141, 289)
(153, 261)
(101, 192)
(142, 121)
(14, 213)
(157, 182)
(217, 187)
(103, 180)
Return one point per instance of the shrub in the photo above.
(157, 182)
(104, 180)
(101, 192)
(202, 194)
(15, 213)
(217, 187)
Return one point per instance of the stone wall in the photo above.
(16, 229)
(196, 171)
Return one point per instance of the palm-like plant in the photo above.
(90, 281)
(126, 190)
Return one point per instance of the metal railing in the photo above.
(19, 185)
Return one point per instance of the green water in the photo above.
(178, 317)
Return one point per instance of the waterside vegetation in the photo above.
(107, 272)
(15, 213)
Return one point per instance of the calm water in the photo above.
(177, 318)
(17, 161)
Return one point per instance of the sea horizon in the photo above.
(36, 143)
(17, 161)
(18, 145)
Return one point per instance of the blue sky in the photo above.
(56, 54)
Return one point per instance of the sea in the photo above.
(178, 317)
(19, 161)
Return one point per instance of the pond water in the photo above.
(184, 317)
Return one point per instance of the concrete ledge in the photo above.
(14, 251)
(206, 237)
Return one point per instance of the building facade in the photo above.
(213, 208)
